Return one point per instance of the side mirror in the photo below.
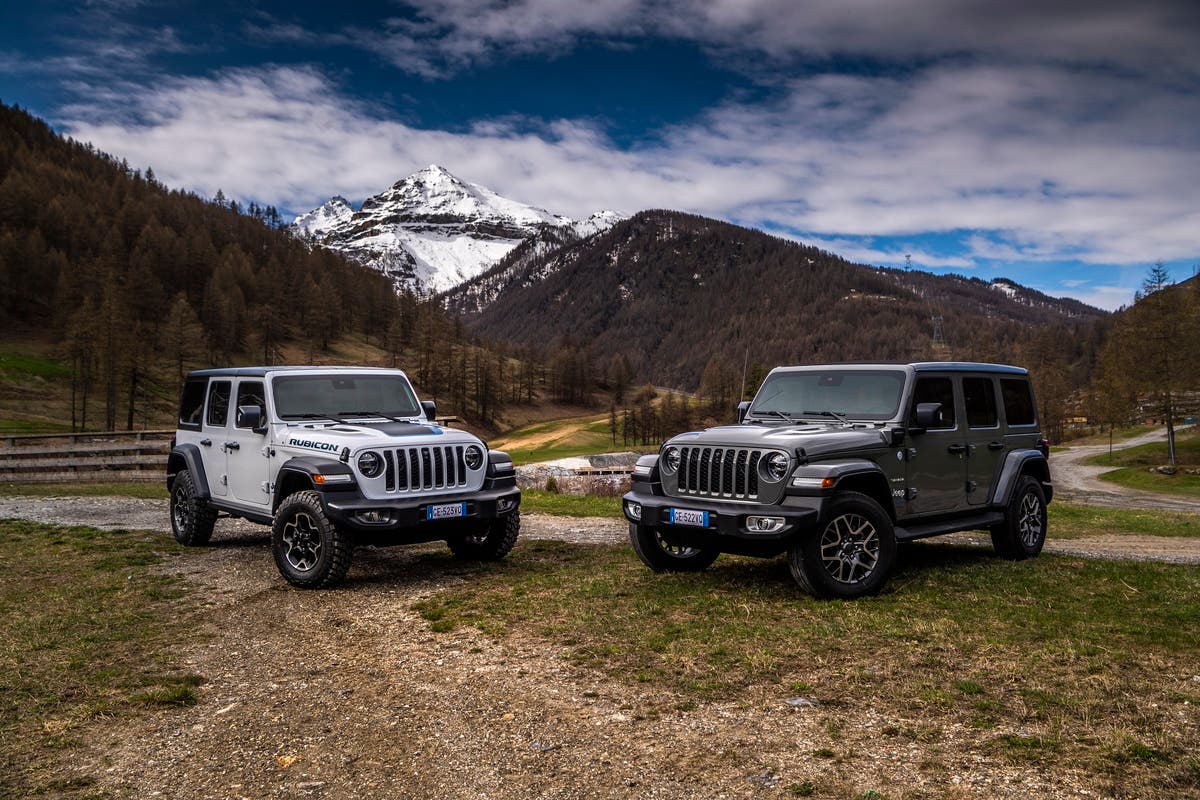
(250, 417)
(742, 408)
(430, 409)
(929, 415)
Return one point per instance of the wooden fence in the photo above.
(99, 456)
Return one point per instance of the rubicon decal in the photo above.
(328, 447)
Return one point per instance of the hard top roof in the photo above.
(919, 366)
(260, 372)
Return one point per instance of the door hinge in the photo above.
(267, 487)
(972, 486)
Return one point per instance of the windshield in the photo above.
(853, 394)
(341, 395)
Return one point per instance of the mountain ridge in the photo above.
(676, 291)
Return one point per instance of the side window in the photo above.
(1018, 402)
(250, 393)
(191, 404)
(218, 403)
(979, 397)
(935, 390)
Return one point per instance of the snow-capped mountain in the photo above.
(316, 223)
(432, 231)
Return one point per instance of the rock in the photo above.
(803, 702)
(1164, 470)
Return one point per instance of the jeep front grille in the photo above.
(729, 472)
(424, 469)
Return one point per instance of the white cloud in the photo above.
(1156, 35)
(1026, 163)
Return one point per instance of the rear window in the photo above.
(1018, 402)
(191, 404)
(980, 399)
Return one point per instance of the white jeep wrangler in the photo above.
(333, 457)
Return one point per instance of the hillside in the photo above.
(121, 284)
(679, 294)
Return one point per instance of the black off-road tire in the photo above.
(192, 519)
(661, 556)
(491, 543)
(850, 554)
(1023, 532)
(310, 551)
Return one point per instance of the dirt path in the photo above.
(1081, 483)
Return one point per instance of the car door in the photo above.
(984, 439)
(936, 464)
(247, 460)
(212, 440)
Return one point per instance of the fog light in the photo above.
(505, 504)
(633, 510)
(764, 524)
(373, 517)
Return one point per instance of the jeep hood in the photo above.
(333, 437)
(816, 439)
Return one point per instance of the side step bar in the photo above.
(921, 530)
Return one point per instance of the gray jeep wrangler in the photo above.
(330, 458)
(835, 464)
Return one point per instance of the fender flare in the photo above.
(299, 471)
(187, 456)
(1016, 463)
(863, 475)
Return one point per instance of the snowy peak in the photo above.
(321, 220)
(432, 230)
(435, 196)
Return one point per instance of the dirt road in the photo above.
(1080, 483)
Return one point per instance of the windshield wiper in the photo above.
(839, 417)
(376, 414)
(310, 415)
(783, 415)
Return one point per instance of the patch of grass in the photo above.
(1052, 658)
(89, 629)
(15, 366)
(562, 438)
(1187, 451)
(1142, 479)
(1069, 521)
(569, 505)
(152, 490)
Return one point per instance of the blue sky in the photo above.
(1055, 143)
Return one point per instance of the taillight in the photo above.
(1043, 446)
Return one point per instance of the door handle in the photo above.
(232, 446)
(995, 445)
(206, 442)
(956, 448)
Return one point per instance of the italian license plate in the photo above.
(446, 511)
(688, 516)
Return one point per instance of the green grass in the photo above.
(562, 439)
(89, 629)
(153, 490)
(1187, 452)
(1056, 662)
(569, 505)
(1142, 479)
(17, 366)
(1069, 521)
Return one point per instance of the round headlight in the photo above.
(775, 467)
(670, 459)
(370, 464)
(474, 457)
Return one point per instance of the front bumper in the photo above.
(727, 529)
(406, 519)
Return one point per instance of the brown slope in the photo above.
(672, 291)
